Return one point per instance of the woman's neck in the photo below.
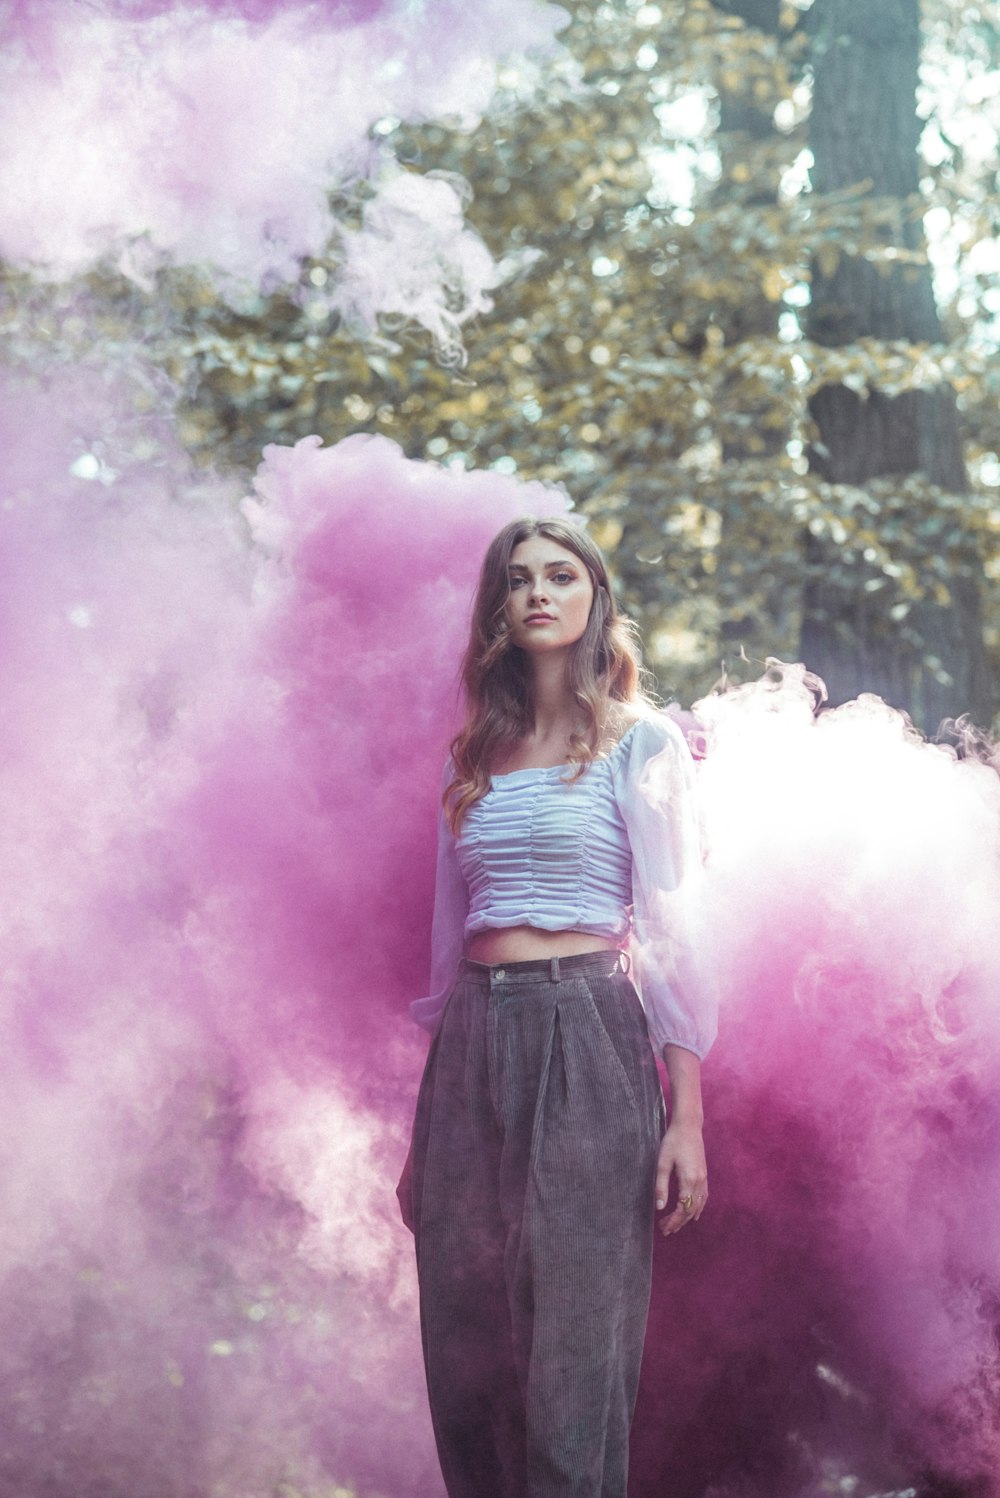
(554, 707)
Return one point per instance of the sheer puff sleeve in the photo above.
(656, 794)
(451, 906)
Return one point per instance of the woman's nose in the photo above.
(538, 593)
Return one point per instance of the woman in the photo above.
(539, 1151)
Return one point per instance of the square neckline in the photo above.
(600, 759)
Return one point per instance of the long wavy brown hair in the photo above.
(604, 667)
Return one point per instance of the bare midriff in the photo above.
(528, 943)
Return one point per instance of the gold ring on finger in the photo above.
(687, 1202)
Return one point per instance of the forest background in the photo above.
(749, 317)
(746, 310)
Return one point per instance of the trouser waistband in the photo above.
(606, 962)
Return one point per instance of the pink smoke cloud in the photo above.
(28, 18)
(224, 719)
(837, 1308)
(223, 733)
(212, 134)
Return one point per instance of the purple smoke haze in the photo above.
(28, 17)
(212, 134)
(835, 1311)
(223, 724)
(223, 734)
(223, 728)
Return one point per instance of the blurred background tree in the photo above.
(903, 449)
(748, 317)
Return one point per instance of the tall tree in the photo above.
(922, 646)
(753, 430)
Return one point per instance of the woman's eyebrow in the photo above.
(519, 566)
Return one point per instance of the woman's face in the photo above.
(550, 595)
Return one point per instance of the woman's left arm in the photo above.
(682, 1150)
(658, 799)
(657, 796)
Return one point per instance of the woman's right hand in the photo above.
(404, 1191)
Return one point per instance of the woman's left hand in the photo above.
(682, 1151)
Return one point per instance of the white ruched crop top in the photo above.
(615, 853)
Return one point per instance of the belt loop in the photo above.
(554, 970)
(623, 964)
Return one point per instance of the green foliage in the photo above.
(649, 355)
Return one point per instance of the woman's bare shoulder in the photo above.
(645, 730)
(622, 717)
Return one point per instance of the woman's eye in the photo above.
(554, 577)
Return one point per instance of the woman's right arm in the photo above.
(451, 906)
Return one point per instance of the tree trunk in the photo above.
(865, 129)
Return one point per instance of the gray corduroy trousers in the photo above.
(535, 1142)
